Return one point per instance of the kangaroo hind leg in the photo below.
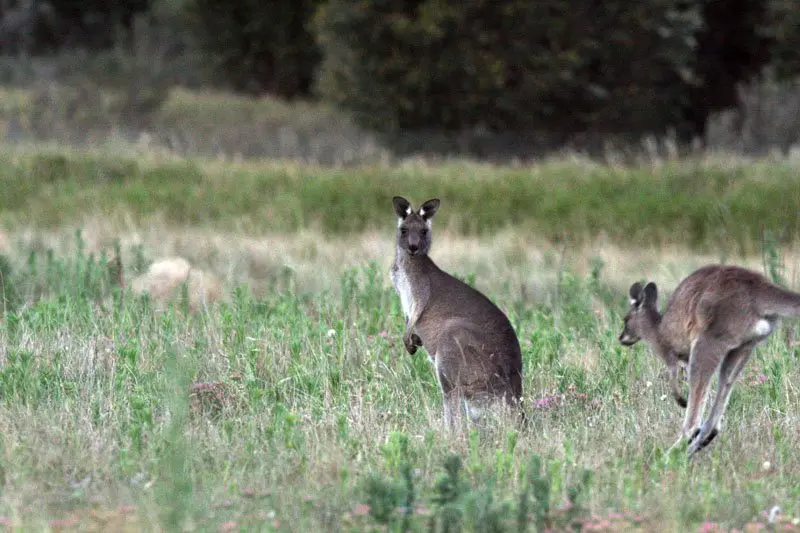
(729, 371)
(452, 395)
(704, 359)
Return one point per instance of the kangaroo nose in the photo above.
(413, 247)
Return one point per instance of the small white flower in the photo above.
(796, 521)
(648, 384)
(663, 397)
(331, 333)
(766, 466)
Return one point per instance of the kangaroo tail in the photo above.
(781, 302)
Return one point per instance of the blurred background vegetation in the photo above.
(341, 81)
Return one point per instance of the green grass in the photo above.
(698, 204)
(300, 411)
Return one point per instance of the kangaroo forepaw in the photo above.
(411, 342)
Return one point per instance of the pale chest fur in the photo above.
(403, 288)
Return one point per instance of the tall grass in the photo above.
(702, 205)
(299, 410)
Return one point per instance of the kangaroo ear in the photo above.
(402, 207)
(635, 293)
(429, 208)
(650, 293)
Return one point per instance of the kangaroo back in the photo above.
(738, 289)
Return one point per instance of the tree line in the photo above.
(565, 66)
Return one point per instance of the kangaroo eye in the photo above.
(403, 231)
(423, 231)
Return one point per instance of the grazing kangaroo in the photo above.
(714, 319)
(470, 342)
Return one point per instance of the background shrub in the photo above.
(564, 66)
(259, 46)
(782, 30)
(498, 81)
(38, 26)
(731, 49)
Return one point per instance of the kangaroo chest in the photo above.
(403, 287)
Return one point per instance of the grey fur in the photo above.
(713, 321)
(473, 347)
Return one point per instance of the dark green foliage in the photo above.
(382, 495)
(259, 46)
(562, 66)
(501, 74)
(783, 31)
(458, 503)
(41, 27)
(730, 50)
(535, 503)
(449, 490)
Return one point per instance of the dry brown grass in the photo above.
(508, 261)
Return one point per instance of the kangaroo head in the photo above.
(643, 315)
(414, 228)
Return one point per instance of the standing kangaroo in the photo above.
(714, 319)
(470, 342)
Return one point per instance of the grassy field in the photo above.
(711, 204)
(291, 405)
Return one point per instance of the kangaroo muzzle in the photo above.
(626, 339)
(413, 244)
